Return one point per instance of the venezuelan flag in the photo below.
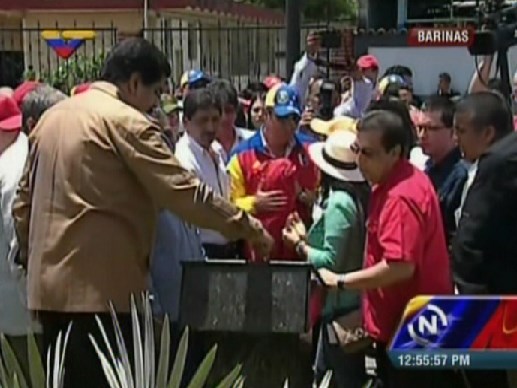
(66, 43)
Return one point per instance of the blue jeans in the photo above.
(348, 370)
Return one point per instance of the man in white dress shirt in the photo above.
(197, 152)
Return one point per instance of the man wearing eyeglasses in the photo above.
(271, 172)
(445, 166)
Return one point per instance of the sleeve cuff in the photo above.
(246, 203)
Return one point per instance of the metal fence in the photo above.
(242, 53)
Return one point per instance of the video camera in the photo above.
(499, 19)
(500, 22)
(327, 91)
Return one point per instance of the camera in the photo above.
(500, 30)
(499, 19)
(330, 39)
(327, 92)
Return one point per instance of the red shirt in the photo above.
(404, 225)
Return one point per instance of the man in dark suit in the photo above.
(485, 247)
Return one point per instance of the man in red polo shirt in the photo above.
(406, 253)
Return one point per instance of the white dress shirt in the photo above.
(472, 171)
(211, 169)
(15, 319)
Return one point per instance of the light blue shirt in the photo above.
(175, 242)
(304, 70)
(362, 94)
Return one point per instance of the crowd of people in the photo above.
(105, 193)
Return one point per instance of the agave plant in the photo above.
(12, 376)
(118, 371)
(325, 383)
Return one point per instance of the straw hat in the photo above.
(325, 128)
(336, 158)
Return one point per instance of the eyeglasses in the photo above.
(431, 128)
(365, 151)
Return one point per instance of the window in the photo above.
(428, 9)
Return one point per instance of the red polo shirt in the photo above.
(404, 225)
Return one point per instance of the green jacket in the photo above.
(336, 242)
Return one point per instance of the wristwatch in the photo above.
(341, 282)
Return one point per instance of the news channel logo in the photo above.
(425, 329)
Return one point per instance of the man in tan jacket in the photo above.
(98, 174)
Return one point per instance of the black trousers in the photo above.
(82, 365)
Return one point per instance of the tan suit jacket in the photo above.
(97, 175)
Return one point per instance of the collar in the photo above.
(192, 143)
(239, 135)
(106, 87)
(397, 174)
(295, 142)
(448, 162)
(197, 148)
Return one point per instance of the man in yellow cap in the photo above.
(261, 166)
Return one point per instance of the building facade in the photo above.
(224, 38)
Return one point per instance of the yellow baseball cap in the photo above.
(271, 94)
(284, 101)
(325, 128)
(184, 79)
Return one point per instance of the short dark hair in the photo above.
(135, 55)
(400, 109)
(443, 105)
(445, 76)
(402, 71)
(255, 87)
(225, 92)
(200, 99)
(392, 128)
(488, 108)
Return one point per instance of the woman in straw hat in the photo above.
(336, 241)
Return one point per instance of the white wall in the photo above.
(428, 63)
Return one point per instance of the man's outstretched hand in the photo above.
(262, 242)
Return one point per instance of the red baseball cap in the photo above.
(23, 89)
(368, 62)
(10, 115)
(271, 81)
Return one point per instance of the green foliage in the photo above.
(317, 9)
(118, 370)
(75, 70)
(11, 374)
